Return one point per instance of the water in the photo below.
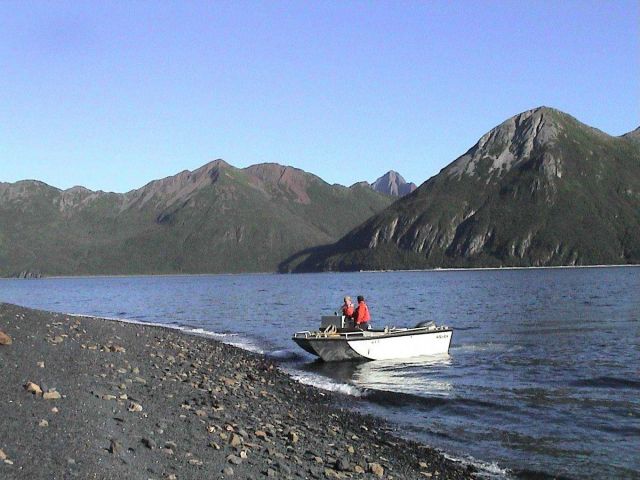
(543, 374)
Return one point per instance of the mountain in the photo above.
(392, 183)
(539, 189)
(634, 135)
(217, 218)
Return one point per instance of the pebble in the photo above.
(3, 456)
(43, 423)
(134, 407)
(376, 469)
(234, 459)
(293, 437)
(342, 465)
(33, 388)
(149, 443)
(51, 395)
(235, 440)
(115, 446)
(40, 364)
(228, 471)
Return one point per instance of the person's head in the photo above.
(360, 298)
(347, 299)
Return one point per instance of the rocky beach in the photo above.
(84, 397)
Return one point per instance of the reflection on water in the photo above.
(404, 376)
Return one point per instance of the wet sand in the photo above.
(146, 402)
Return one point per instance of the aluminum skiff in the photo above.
(332, 344)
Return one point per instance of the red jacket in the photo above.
(347, 310)
(362, 313)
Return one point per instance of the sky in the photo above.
(112, 95)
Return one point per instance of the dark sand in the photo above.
(208, 410)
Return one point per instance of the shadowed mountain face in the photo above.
(214, 219)
(539, 189)
(392, 183)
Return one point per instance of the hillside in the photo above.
(539, 189)
(217, 218)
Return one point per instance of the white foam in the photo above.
(201, 332)
(248, 346)
(323, 383)
(485, 469)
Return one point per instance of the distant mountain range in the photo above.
(217, 218)
(540, 189)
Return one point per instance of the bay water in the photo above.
(542, 378)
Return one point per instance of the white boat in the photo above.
(333, 342)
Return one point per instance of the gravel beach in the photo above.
(92, 398)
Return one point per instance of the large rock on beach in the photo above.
(5, 339)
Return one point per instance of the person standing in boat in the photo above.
(361, 316)
(347, 307)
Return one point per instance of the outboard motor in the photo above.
(426, 324)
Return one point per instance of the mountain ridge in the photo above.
(539, 189)
(216, 218)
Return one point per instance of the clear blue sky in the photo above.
(111, 95)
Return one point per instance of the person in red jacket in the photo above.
(361, 316)
(347, 308)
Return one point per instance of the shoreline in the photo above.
(150, 401)
(231, 274)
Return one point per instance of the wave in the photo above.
(487, 470)
(323, 382)
(188, 329)
(285, 355)
(607, 382)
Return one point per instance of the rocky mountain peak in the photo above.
(511, 143)
(392, 183)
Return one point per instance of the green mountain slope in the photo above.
(539, 189)
(215, 219)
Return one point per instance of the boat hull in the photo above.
(371, 346)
